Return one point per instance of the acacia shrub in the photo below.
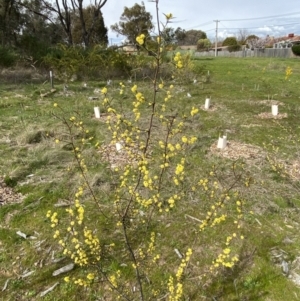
(96, 62)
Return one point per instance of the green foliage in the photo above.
(94, 22)
(193, 36)
(66, 61)
(33, 47)
(189, 37)
(11, 21)
(203, 44)
(252, 36)
(169, 36)
(233, 48)
(9, 181)
(108, 63)
(133, 22)
(296, 49)
(7, 57)
(230, 41)
(96, 61)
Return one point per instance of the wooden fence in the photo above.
(267, 52)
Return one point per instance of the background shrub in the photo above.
(7, 57)
(296, 49)
(230, 41)
(31, 46)
(234, 48)
(203, 44)
(96, 62)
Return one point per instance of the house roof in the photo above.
(295, 38)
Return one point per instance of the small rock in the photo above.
(21, 234)
(49, 289)
(27, 274)
(178, 253)
(285, 267)
(64, 269)
(287, 241)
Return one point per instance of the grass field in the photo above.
(42, 175)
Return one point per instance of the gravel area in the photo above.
(7, 194)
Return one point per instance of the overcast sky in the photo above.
(261, 17)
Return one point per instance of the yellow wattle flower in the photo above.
(140, 39)
(169, 16)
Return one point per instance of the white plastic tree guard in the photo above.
(207, 103)
(274, 110)
(97, 112)
(222, 142)
(118, 146)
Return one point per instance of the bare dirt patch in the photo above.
(289, 169)
(236, 150)
(104, 117)
(271, 102)
(117, 158)
(210, 109)
(251, 125)
(266, 115)
(7, 194)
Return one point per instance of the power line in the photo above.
(200, 25)
(247, 19)
(260, 26)
(259, 18)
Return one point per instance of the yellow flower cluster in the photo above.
(194, 111)
(179, 172)
(176, 291)
(239, 213)
(225, 260)
(80, 212)
(172, 200)
(104, 91)
(180, 167)
(178, 60)
(82, 282)
(216, 215)
(122, 88)
(190, 140)
(288, 72)
(83, 247)
(83, 252)
(53, 218)
(113, 279)
(169, 16)
(168, 96)
(139, 100)
(140, 39)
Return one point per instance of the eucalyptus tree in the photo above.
(11, 22)
(97, 31)
(134, 21)
(66, 12)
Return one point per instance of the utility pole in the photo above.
(216, 39)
